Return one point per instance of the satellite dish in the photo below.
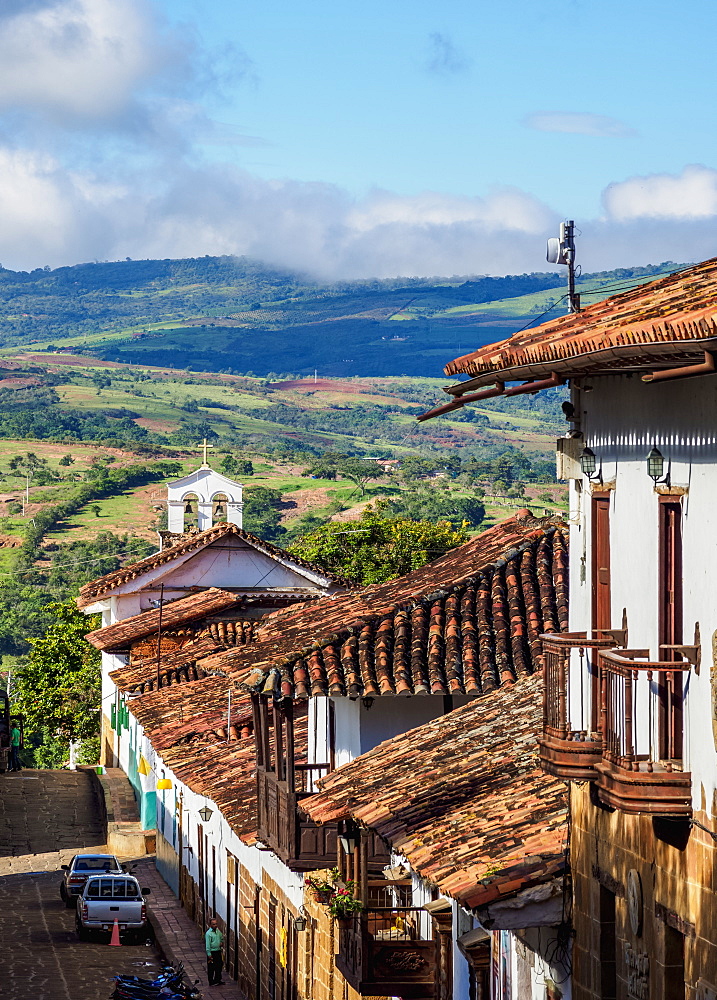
(556, 253)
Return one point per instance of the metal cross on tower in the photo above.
(204, 446)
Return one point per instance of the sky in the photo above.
(357, 140)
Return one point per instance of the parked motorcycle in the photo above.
(168, 985)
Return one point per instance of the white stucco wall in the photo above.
(222, 838)
(204, 484)
(622, 419)
(360, 728)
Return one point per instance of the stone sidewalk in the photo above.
(177, 935)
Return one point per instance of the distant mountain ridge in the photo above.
(240, 315)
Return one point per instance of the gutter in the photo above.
(579, 365)
(498, 390)
(456, 404)
(706, 367)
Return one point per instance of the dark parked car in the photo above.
(80, 869)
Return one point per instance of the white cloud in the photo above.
(52, 215)
(79, 58)
(504, 209)
(689, 195)
(578, 123)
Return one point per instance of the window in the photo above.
(608, 945)
(601, 611)
(96, 865)
(670, 626)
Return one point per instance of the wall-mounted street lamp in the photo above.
(656, 467)
(300, 922)
(349, 838)
(205, 814)
(588, 465)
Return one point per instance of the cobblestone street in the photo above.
(52, 814)
(42, 957)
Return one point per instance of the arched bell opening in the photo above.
(191, 511)
(220, 509)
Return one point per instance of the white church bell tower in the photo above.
(202, 499)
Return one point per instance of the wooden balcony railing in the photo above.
(386, 951)
(282, 826)
(641, 768)
(570, 747)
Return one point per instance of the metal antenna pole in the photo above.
(568, 240)
(561, 250)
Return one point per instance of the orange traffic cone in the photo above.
(115, 939)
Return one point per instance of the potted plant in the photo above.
(344, 905)
(322, 889)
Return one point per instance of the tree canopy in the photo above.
(437, 505)
(58, 689)
(376, 548)
(333, 465)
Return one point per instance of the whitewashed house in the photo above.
(630, 712)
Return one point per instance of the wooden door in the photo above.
(670, 626)
(601, 610)
(229, 929)
(271, 948)
(202, 876)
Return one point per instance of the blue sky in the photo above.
(357, 140)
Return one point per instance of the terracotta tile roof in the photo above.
(187, 609)
(668, 323)
(471, 810)
(463, 624)
(177, 666)
(97, 588)
(186, 725)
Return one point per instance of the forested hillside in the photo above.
(237, 315)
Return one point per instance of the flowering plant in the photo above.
(344, 903)
(322, 884)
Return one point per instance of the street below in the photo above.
(42, 957)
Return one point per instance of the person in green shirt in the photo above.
(15, 740)
(213, 940)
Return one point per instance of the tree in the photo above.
(377, 548)
(59, 687)
(23, 614)
(262, 512)
(332, 465)
(437, 505)
(232, 466)
(66, 460)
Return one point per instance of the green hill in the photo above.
(237, 315)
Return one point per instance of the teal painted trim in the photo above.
(148, 811)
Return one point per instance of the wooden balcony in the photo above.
(385, 951)
(571, 745)
(641, 768)
(282, 826)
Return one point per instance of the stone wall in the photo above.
(657, 949)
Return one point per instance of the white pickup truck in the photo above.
(107, 898)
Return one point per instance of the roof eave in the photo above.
(581, 365)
